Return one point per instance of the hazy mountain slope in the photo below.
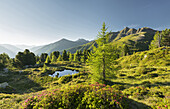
(7, 51)
(11, 48)
(82, 47)
(23, 47)
(60, 46)
(33, 49)
(137, 40)
(89, 45)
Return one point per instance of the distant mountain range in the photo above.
(60, 45)
(137, 40)
(11, 50)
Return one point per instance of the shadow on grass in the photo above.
(19, 84)
(137, 105)
(145, 84)
(132, 103)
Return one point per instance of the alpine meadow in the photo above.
(75, 54)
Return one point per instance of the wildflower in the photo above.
(166, 106)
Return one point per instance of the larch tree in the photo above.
(101, 57)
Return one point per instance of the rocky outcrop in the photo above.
(4, 85)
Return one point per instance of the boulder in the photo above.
(4, 85)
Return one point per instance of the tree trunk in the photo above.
(104, 76)
(159, 41)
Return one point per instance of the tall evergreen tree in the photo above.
(47, 60)
(77, 56)
(125, 50)
(54, 58)
(161, 39)
(64, 56)
(25, 58)
(55, 53)
(102, 56)
(155, 43)
(43, 57)
(85, 55)
(165, 40)
(59, 58)
(71, 57)
(5, 61)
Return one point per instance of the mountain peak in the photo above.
(64, 39)
(125, 30)
(147, 29)
(81, 40)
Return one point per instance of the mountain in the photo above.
(60, 46)
(23, 47)
(11, 50)
(33, 49)
(137, 40)
(7, 51)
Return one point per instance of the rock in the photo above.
(145, 56)
(5, 70)
(4, 85)
(20, 71)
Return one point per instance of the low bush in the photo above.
(137, 92)
(94, 96)
(122, 74)
(65, 79)
(153, 75)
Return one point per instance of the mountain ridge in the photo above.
(60, 45)
(140, 38)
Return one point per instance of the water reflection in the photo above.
(62, 73)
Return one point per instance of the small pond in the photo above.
(65, 72)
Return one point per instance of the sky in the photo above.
(39, 22)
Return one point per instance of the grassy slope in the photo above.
(145, 80)
(148, 69)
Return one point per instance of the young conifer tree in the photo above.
(102, 56)
(47, 60)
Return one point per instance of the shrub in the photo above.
(118, 87)
(141, 70)
(81, 97)
(137, 92)
(144, 70)
(122, 74)
(146, 83)
(65, 79)
(131, 77)
(153, 75)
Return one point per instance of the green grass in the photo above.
(145, 80)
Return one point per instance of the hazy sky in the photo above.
(37, 22)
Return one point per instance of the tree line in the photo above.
(28, 58)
